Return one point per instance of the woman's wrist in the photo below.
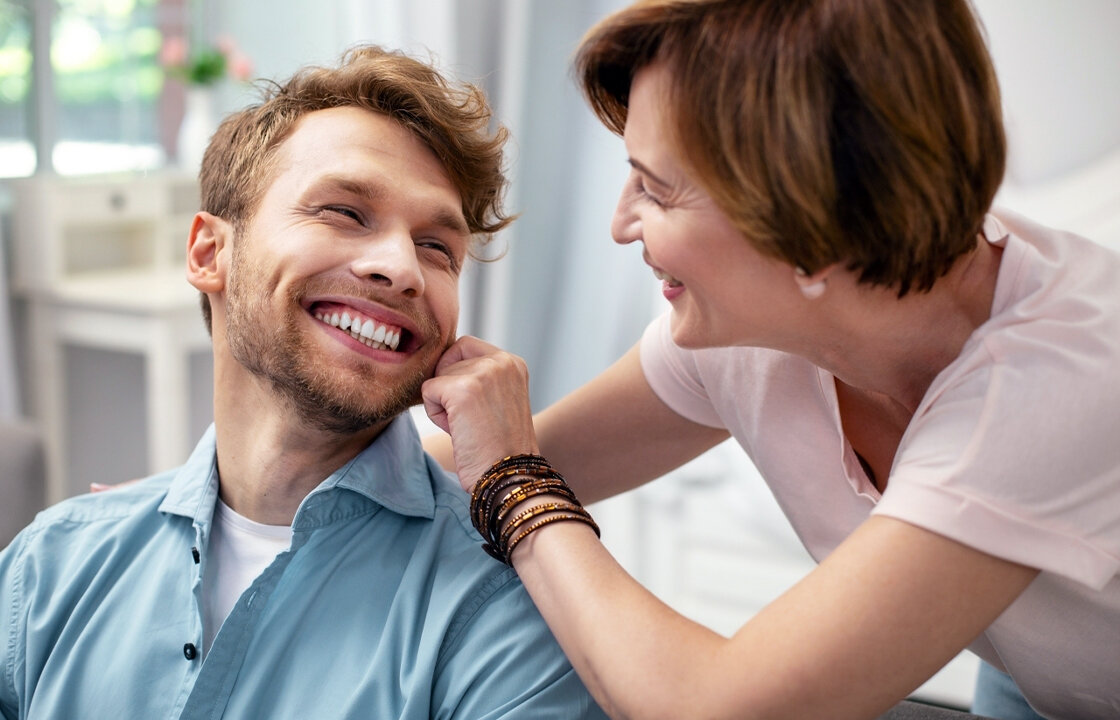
(517, 496)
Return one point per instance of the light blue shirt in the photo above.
(384, 607)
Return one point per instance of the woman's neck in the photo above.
(875, 342)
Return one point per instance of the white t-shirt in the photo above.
(1014, 450)
(239, 550)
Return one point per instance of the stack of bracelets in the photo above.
(504, 487)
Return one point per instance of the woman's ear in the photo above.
(813, 286)
(206, 252)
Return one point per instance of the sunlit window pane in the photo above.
(17, 153)
(107, 85)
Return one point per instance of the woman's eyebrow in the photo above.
(646, 171)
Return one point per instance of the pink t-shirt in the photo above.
(1014, 450)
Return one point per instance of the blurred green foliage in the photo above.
(102, 51)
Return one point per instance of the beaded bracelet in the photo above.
(504, 487)
(541, 523)
(528, 489)
(502, 475)
(536, 511)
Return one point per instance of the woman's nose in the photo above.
(625, 225)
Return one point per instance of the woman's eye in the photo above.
(640, 186)
(648, 195)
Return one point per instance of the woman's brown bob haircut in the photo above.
(865, 132)
(452, 120)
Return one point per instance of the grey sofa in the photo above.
(22, 477)
(918, 711)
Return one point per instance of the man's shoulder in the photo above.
(452, 502)
(115, 502)
(460, 544)
(99, 513)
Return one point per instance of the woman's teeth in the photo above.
(380, 337)
(667, 278)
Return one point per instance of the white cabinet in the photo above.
(99, 264)
(69, 228)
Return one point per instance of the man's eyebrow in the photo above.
(451, 221)
(365, 190)
(646, 171)
(373, 192)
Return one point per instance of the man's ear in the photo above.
(208, 249)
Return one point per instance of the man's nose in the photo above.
(390, 259)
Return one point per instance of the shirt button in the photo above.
(190, 652)
(195, 555)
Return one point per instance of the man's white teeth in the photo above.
(666, 278)
(375, 336)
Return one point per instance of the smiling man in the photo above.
(309, 560)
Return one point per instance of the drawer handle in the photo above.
(117, 201)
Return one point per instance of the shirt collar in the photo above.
(194, 490)
(994, 230)
(393, 471)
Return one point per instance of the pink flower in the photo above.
(205, 64)
(173, 53)
(226, 45)
(240, 66)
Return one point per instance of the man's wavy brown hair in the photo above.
(453, 120)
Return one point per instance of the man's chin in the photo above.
(345, 423)
(346, 412)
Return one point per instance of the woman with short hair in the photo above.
(929, 387)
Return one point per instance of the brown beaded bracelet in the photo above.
(501, 475)
(527, 490)
(535, 511)
(504, 487)
(538, 525)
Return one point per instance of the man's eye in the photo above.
(436, 245)
(345, 211)
(443, 249)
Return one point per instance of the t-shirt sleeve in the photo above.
(1010, 462)
(674, 376)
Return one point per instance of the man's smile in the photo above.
(376, 334)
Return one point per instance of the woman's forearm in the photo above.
(887, 609)
(614, 631)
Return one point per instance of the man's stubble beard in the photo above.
(283, 356)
